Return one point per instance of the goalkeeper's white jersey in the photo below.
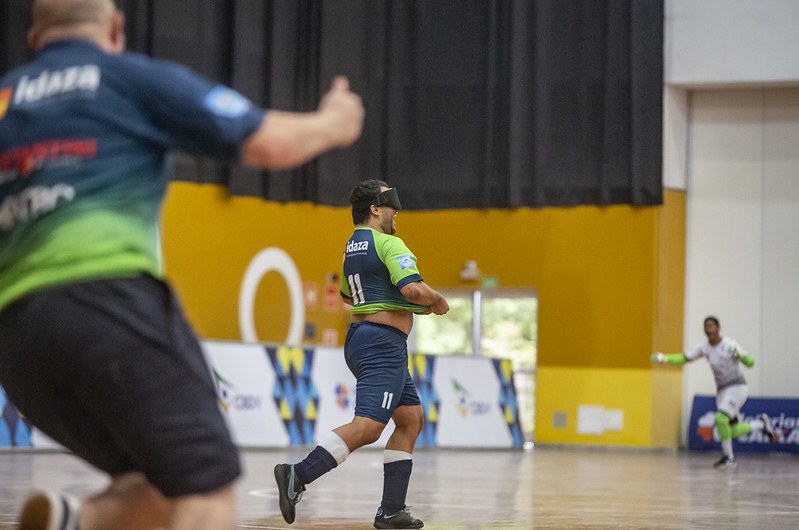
(723, 359)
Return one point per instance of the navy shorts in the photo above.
(111, 370)
(377, 356)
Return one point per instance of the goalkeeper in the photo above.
(725, 357)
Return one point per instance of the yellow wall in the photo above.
(667, 327)
(561, 391)
(209, 239)
(609, 282)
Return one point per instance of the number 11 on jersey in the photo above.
(356, 289)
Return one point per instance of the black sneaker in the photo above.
(46, 510)
(400, 519)
(725, 462)
(768, 428)
(290, 495)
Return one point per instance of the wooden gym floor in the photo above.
(547, 487)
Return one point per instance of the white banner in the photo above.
(460, 395)
(470, 415)
(244, 382)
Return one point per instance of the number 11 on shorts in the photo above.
(387, 397)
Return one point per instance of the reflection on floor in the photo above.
(547, 487)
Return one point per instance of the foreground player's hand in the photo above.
(344, 111)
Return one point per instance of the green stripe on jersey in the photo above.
(82, 244)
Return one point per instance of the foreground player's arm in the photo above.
(422, 294)
(289, 139)
(675, 359)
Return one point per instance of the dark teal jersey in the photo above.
(84, 137)
(376, 266)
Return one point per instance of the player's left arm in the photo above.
(746, 359)
(189, 112)
(422, 294)
(401, 265)
(288, 139)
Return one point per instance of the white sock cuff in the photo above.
(390, 455)
(334, 445)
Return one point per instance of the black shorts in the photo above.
(111, 370)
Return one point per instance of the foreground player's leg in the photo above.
(130, 502)
(209, 511)
(43, 510)
(129, 498)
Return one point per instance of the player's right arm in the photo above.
(674, 359)
(422, 294)
(289, 139)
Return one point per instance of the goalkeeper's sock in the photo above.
(723, 426)
(725, 433)
(757, 425)
(739, 429)
(726, 448)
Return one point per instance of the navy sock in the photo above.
(317, 463)
(396, 477)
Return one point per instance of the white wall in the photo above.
(723, 42)
(731, 140)
(675, 137)
(743, 232)
(780, 244)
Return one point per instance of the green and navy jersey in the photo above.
(84, 137)
(376, 266)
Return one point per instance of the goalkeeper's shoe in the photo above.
(768, 428)
(726, 462)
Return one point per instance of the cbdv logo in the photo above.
(466, 405)
(229, 398)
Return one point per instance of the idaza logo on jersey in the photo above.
(357, 246)
(85, 78)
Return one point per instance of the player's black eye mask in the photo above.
(389, 198)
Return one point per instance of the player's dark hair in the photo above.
(363, 196)
(713, 319)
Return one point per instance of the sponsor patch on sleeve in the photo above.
(226, 102)
(406, 261)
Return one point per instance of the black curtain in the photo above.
(470, 103)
